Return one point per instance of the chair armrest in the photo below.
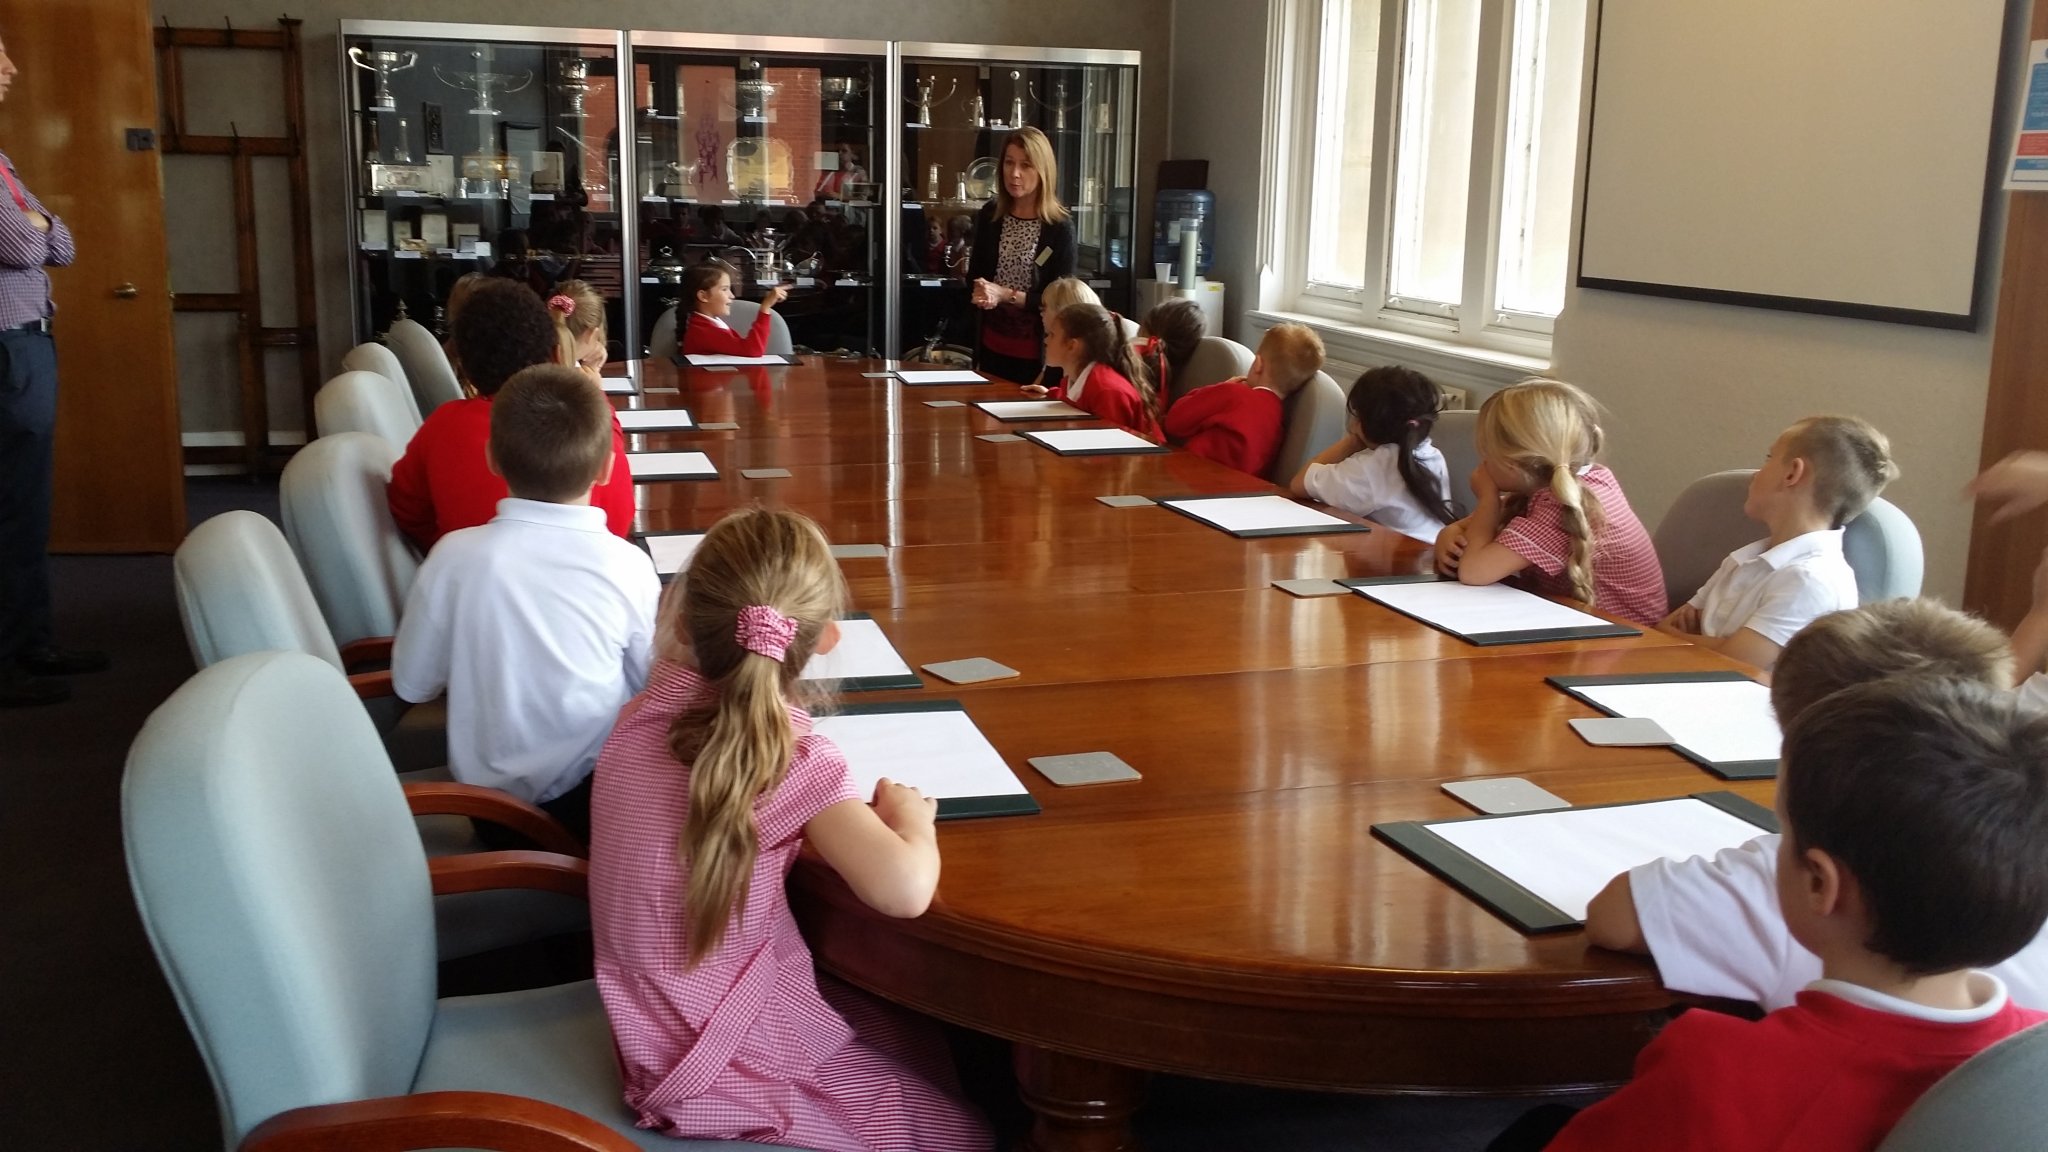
(489, 1120)
(486, 871)
(373, 685)
(369, 650)
(448, 798)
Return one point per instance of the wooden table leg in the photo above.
(1077, 1105)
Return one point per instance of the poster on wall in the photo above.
(2027, 168)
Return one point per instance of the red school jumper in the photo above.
(707, 336)
(1232, 423)
(1109, 395)
(442, 484)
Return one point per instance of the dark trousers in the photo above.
(572, 808)
(28, 425)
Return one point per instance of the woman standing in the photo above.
(1023, 241)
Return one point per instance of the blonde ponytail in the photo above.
(1579, 507)
(1550, 432)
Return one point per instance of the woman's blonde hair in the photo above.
(586, 315)
(1065, 292)
(1038, 150)
(738, 746)
(1549, 431)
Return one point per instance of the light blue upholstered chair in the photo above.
(285, 893)
(662, 343)
(1456, 435)
(1883, 546)
(375, 357)
(1993, 1103)
(1213, 361)
(1700, 529)
(338, 519)
(366, 402)
(1315, 420)
(427, 370)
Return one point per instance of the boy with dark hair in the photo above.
(539, 625)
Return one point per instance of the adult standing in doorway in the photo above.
(1023, 240)
(31, 239)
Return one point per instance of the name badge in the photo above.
(1044, 254)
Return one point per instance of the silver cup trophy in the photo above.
(572, 80)
(383, 62)
(1017, 87)
(752, 96)
(1058, 105)
(925, 100)
(977, 111)
(484, 82)
(837, 90)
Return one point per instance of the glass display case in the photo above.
(765, 153)
(958, 103)
(481, 149)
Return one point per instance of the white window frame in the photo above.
(1475, 321)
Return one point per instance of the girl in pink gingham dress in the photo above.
(710, 784)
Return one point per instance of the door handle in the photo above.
(126, 291)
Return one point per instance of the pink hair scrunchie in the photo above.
(562, 304)
(765, 632)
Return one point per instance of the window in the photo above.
(1441, 141)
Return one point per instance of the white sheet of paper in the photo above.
(710, 360)
(863, 650)
(1476, 609)
(616, 385)
(672, 553)
(654, 419)
(941, 753)
(670, 464)
(1252, 513)
(939, 376)
(1090, 439)
(1032, 410)
(1567, 857)
(1723, 720)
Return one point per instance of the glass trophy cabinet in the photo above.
(768, 154)
(482, 149)
(958, 102)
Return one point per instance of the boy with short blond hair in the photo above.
(1820, 473)
(1240, 423)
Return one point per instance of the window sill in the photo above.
(1351, 349)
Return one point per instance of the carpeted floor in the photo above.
(93, 1054)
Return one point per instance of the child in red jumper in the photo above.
(1100, 371)
(1240, 423)
(708, 287)
(1914, 810)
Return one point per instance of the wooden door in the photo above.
(88, 76)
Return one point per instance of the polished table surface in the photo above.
(1230, 915)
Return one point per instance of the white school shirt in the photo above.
(539, 625)
(1775, 593)
(1369, 484)
(1714, 929)
(1079, 382)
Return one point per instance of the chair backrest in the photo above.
(1213, 361)
(240, 590)
(1129, 326)
(1883, 548)
(282, 885)
(366, 402)
(662, 344)
(1456, 435)
(374, 357)
(1701, 528)
(742, 319)
(427, 369)
(1992, 1103)
(1315, 420)
(338, 519)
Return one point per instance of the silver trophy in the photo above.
(977, 111)
(925, 100)
(484, 82)
(1017, 87)
(383, 62)
(753, 96)
(572, 80)
(1058, 105)
(837, 90)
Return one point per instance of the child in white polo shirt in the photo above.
(539, 625)
(1820, 474)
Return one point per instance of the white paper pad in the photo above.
(1723, 721)
(616, 385)
(1255, 513)
(672, 553)
(654, 419)
(707, 360)
(939, 376)
(1565, 858)
(863, 650)
(670, 464)
(1477, 609)
(1093, 440)
(941, 753)
(1032, 410)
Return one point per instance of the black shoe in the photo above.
(49, 660)
(21, 690)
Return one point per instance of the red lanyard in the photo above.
(20, 200)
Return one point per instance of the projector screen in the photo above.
(1816, 155)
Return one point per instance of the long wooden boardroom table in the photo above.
(1230, 915)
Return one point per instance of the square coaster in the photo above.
(720, 426)
(1621, 732)
(765, 473)
(1311, 587)
(1000, 438)
(973, 670)
(859, 552)
(662, 391)
(1084, 768)
(945, 404)
(878, 375)
(1128, 501)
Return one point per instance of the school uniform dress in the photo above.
(712, 336)
(1369, 484)
(1232, 423)
(539, 626)
(1832, 1073)
(751, 1043)
(1107, 394)
(1628, 581)
(1775, 592)
(442, 483)
(1714, 928)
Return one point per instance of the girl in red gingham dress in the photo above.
(710, 784)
